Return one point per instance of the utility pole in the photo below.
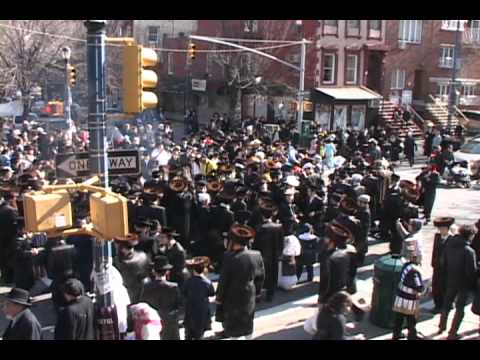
(107, 328)
(301, 87)
(66, 53)
(453, 87)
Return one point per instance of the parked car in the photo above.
(470, 152)
(473, 124)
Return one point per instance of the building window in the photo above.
(374, 29)
(251, 26)
(443, 91)
(353, 28)
(471, 35)
(452, 25)
(351, 69)
(330, 27)
(398, 79)
(357, 120)
(446, 57)
(170, 63)
(328, 74)
(468, 90)
(410, 31)
(323, 113)
(153, 34)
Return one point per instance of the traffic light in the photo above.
(192, 48)
(72, 75)
(136, 79)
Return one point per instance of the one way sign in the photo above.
(121, 162)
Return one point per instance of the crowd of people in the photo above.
(233, 199)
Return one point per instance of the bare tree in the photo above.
(241, 68)
(31, 48)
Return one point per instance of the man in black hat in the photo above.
(8, 233)
(76, 320)
(429, 179)
(311, 206)
(133, 265)
(336, 263)
(440, 241)
(196, 291)
(23, 323)
(175, 253)
(461, 269)
(269, 241)
(240, 283)
(150, 206)
(164, 296)
(180, 202)
(222, 220)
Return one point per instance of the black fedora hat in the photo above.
(131, 240)
(169, 231)
(161, 263)
(19, 296)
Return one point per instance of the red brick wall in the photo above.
(426, 56)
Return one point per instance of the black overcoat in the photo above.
(164, 296)
(335, 274)
(269, 241)
(196, 291)
(439, 275)
(241, 280)
(76, 321)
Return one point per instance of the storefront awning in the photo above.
(349, 93)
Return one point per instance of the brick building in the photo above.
(349, 65)
(420, 61)
(209, 75)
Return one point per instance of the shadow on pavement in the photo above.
(293, 333)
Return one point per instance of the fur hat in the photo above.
(443, 221)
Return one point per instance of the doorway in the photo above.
(374, 76)
(418, 84)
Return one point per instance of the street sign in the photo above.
(120, 162)
(199, 85)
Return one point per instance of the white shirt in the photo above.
(292, 246)
(161, 156)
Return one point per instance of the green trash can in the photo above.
(385, 282)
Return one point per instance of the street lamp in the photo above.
(66, 53)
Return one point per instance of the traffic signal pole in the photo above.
(68, 95)
(107, 328)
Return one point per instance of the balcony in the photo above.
(471, 37)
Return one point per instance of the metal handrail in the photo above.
(461, 113)
(417, 115)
